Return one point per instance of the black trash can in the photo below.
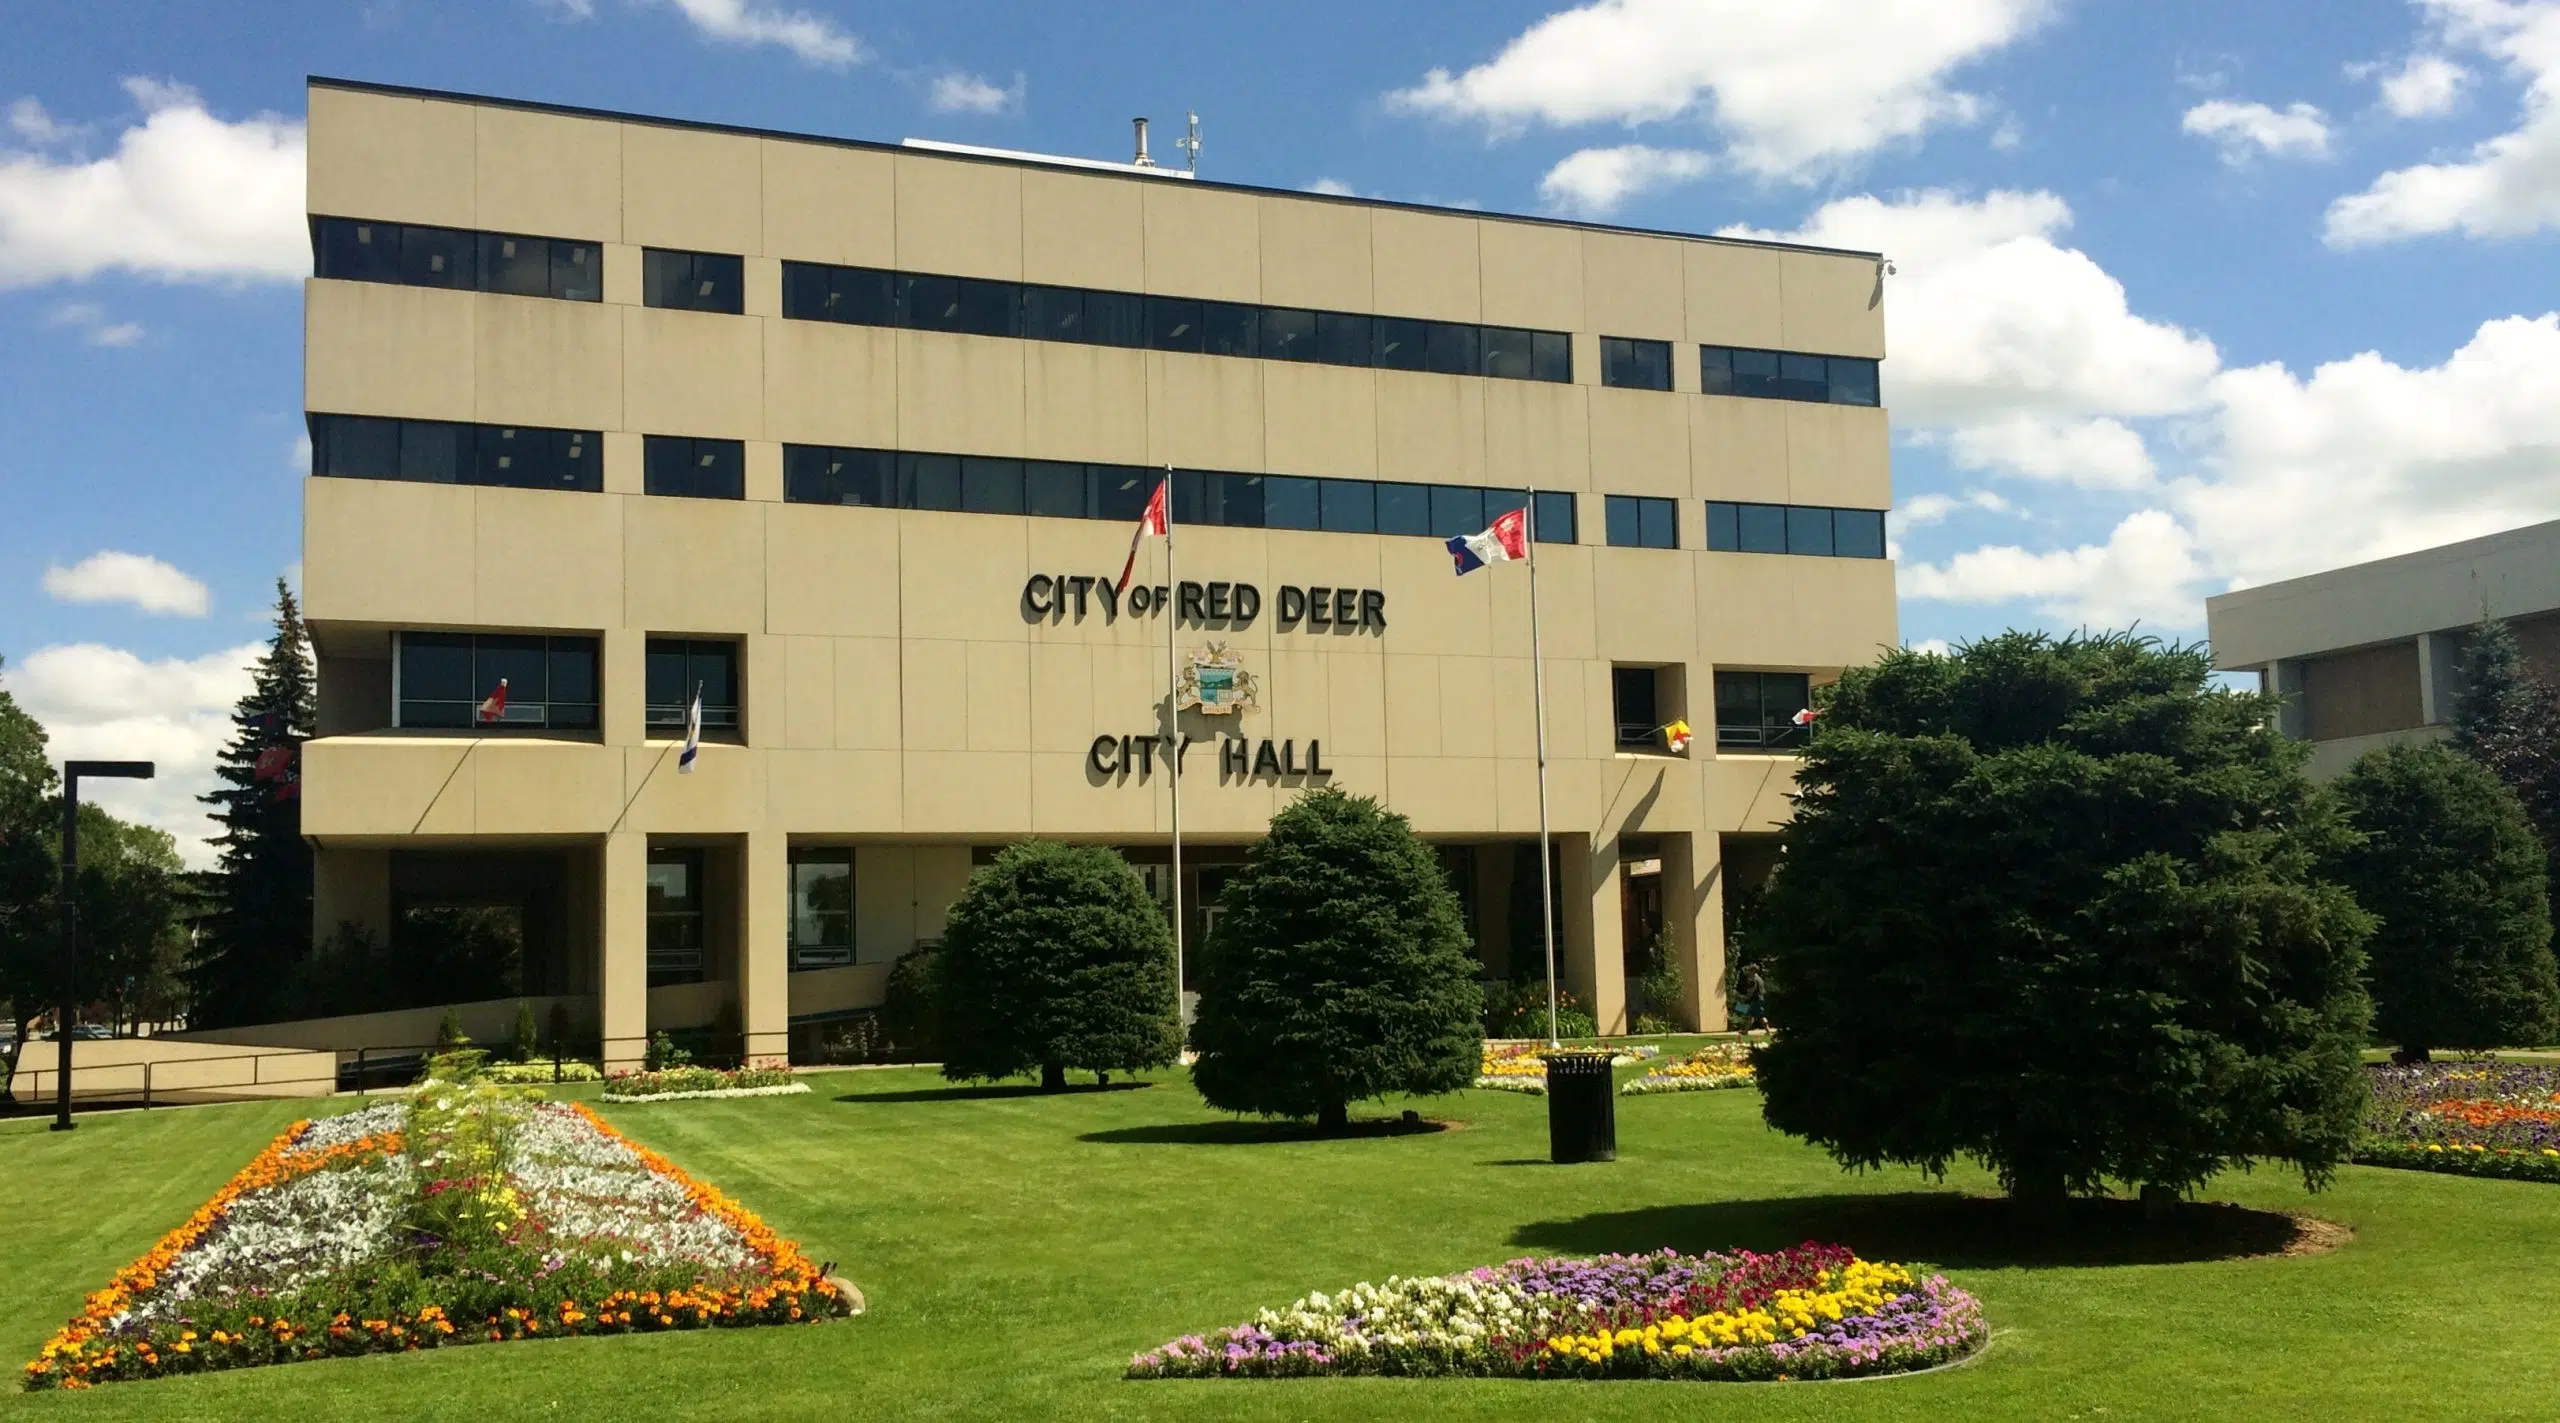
(1582, 1107)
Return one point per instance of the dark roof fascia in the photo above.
(406, 91)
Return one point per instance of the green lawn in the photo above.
(1017, 1249)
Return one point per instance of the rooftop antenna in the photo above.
(1189, 143)
(1142, 160)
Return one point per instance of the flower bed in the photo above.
(539, 1071)
(1815, 1311)
(1522, 1067)
(1709, 1069)
(462, 1215)
(669, 1084)
(2477, 1118)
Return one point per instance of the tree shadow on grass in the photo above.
(988, 1092)
(1241, 1132)
(1945, 1228)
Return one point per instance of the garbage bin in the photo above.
(1582, 1107)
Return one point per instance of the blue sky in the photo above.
(2188, 295)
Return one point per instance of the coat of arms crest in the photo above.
(1214, 680)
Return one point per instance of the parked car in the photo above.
(91, 1032)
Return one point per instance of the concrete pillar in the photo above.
(626, 686)
(624, 999)
(2293, 718)
(1595, 954)
(350, 885)
(1693, 909)
(2438, 681)
(764, 952)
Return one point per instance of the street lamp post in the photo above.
(68, 1007)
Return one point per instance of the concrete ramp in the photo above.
(169, 1071)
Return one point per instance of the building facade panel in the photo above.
(824, 204)
(395, 158)
(545, 175)
(691, 191)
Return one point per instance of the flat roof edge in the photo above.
(407, 91)
(2455, 552)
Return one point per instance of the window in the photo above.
(813, 474)
(1289, 502)
(351, 250)
(450, 679)
(1553, 519)
(675, 917)
(1638, 522)
(1756, 711)
(693, 281)
(442, 452)
(868, 296)
(679, 665)
(821, 907)
(1634, 695)
(1055, 489)
(991, 486)
(683, 468)
(1786, 375)
(1794, 528)
(1637, 365)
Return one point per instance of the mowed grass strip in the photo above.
(1017, 1248)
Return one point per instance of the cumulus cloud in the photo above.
(2425, 86)
(108, 703)
(185, 196)
(2245, 131)
(90, 320)
(2096, 453)
(1596, 181)
(2506, 186)
(1922, 510)
(113, 577)
(957, 93)
(2143, 572)
(813, 38)
(1796, 89)
(29, 121)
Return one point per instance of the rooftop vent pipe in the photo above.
(1142, 160)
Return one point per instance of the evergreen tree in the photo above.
(258, 928)
(2053, 906)
(2508, 720)
(1055, 957)
(1339, 969)
(2448, 866)
(30, 824)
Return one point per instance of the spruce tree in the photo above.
(30, 823)
(2508, 720)
(258, 929)
(2461, 953)
(1339, 970)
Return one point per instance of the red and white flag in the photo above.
(1805, 717)
(1151, 523)
(494, 705)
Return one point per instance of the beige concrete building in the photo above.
(851, 437)
(2367, 655)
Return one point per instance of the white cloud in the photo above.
(812, 37)
(299, 457)
(957, 93)
(113, 577)
(2144, 571)
(2096, 453)
(29, 121)
(185, 196)
(2244, 131)
(1797, 89)
(1596, 181)
(1922, 510)
(2428, 85)
(90, 320)
(2506, 186)
(108, 703)
(1933, 646)
(1331, 187)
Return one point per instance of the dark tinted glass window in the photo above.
(350, 251)
(1554, 518)
(1638, 365)
(1755, 373)
(1054, 490)
(436, 452)
(694, 469)
(1235, 500)
(1115, 319)
(436, 667)
(1350, 506)
(517, 266)
(1053, 313)
(821, 916)
(1231, 329)
(1715, 370)
(1632, 696)
(1404, 508)
(1756, 711)
(1809, 531)
(1764, 528)
(1551, 356)
(1289, 502)
(577, 271)
(355, 447)
(1804, 377)
(1174, 324)
(1724, 527)
(675, 930)
(676, 668)
(808, 292)
(445, 679)
(693, 281)
(1288, 335)
(991, 486)
(1498, 502)
(1402, 344)
(1343, 339)
(1452, 349)
(1857, 533)
(1507, 353)
(815, 474)
(440, 257)
(1636, 522)
(867, 296)
(1853, 381)
(929, 481)
(1456, 510)
(1121, 491)
(989, 308)
(929, 303)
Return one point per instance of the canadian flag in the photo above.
(494, 705)
(1151, 523)
(1805, 717)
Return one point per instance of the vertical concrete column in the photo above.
(626, 686)
(350, 885)
(623, 1001)
(1595, 954)
(2438, 682)
(764, 964)
(1693, 907)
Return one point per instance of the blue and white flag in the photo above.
(1506, 538)
(692, 734)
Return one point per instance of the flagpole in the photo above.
(1173, 744)
(1546, 862)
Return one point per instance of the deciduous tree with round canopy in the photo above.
(2054, 905)
(1339, 969)
(1055, 958)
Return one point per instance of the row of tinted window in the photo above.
(447, 452)
(865, 296)
(1634, 364)
(906, 479)
(677, 668)
(1641, 521)
(1786, 375)
(1756, 711)
(445, 679)
(1795, 528)
(347, 249)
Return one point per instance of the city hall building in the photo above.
(849, 439)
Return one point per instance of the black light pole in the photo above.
(68, 1007)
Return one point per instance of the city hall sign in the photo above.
(1059, 597)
